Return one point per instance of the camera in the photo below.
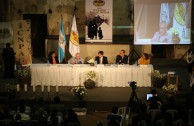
(132, 84)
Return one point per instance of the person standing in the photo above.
(122, 58)
(100, 59)
(8, 61)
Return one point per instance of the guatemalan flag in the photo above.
(62, 42)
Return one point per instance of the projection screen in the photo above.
(162, 22)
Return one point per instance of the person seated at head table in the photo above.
(100, 59)
(162, 35)
(122, 58)
(77, 59)
(53, 59)
(144, 59)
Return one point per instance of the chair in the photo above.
(178, 123)
(153, 113)
(122, 111)
(172, 113)
(6, 122)
(161, 122)
(142, 123)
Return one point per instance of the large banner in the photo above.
(6, 34)
(98, 20)
(22, 41)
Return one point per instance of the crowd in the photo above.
(155, 111)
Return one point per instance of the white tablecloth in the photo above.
(107, 76)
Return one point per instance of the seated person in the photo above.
(100, 59)
(154, 102)
(114, 118)
(52, 58)
(162, 35)
(77, 59)
(122, 58)
(144, 59)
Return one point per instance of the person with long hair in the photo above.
(52, 58)
(144, 60)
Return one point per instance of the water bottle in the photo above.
(183, 33)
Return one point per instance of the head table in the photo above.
(74, 75)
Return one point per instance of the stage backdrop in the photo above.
(98, 20)
(22, 41)
(162, 21)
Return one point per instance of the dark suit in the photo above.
(104, 60)
(120, 60)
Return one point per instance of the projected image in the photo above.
(162, 23)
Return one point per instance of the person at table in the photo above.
(122, 58)
(77, 59)
(144, 59)
(53, 59)
(100, 59)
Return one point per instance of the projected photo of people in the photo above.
(169, 23)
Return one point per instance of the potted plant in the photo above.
(170, 89)
(175, 35)
(11, 90)
(91, 62)
(24, 75)
(90, 83)
(158, 79)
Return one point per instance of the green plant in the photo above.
(157, 74)
(10, 88)
(24, 72)
(91, 74)
(79, 91)
(171, 88)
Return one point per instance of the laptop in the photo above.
(149, 95)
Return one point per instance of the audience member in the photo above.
(18, 121)
(22, 103)
(122, 58)
(114, 118)
(72, 118)
(100, 59)
(144, 59)
(154, 102)
(52, 58)
(141, 116)
(55, 118)
(57, 105)
(8, 61)
(77, 59)
(23, 114)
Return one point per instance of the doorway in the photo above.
(38, 33)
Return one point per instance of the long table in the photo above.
(74, 75)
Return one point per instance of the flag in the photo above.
(74, 39)
(62, 42)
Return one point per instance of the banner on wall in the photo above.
(98, 20)
(22, 41)
(6, 34)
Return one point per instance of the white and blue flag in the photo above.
(62, 42)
